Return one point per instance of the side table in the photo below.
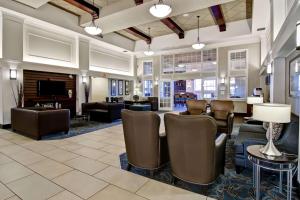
(285, 163)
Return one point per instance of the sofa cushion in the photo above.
(252, 128)
(221, 114)
(98, 111)
(221, 123)
(243, 136)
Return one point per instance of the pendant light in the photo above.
(160, 9)
(149, 52)
(92, 28)
(198, 45)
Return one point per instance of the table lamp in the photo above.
(272, 113)
(255, 100)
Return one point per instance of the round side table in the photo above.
(285, 163)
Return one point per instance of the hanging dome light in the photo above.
(160, 9)
(149, 52)
(92, 29)
(199, 45)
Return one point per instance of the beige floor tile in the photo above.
(13, 171)
(90, 153)
(34, 187)
(39, 146)
(114, 149)
(5, 193)
(21, 140)
(115, 193)
(4, 142)
(14, 198)
(80, 184)
(4, 159)
(11, 149)
(27, 157)
(65, 195)
(92, 144)
(114, 142)
(111, 159)
(86, 165)
(60, 155)
(96, 137)
(122, 179)
(71, 147)
(155, 190)
(49, 168)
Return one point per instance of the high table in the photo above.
(285, 163)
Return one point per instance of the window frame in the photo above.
(229, 60)
(147, 61)
(151, 88)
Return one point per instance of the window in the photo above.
(238, 87)
(148, 88)
(238, 60)
(147, 68)
(198, 85)
(187, 62)
(209, 63)
(167, 64)
(209, 88)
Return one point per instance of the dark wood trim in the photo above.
(138, 2)
(139, 34)
(5, 126)
(217, 14)
(173, 26)
(249, 9)
(87, 7)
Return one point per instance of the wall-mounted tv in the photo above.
(51, 88)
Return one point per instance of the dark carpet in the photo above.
(230, 186)
(79, 126)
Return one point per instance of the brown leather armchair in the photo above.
(222, 111)
(145, 148)
(195, 107)
(196, 156)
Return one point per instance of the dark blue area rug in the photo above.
(78, 127)
(230, 186)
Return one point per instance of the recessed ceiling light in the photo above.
(186, 15)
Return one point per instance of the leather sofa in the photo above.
(196, 156)
(145, 148)
(222, 112)
(37, 122)
(103, 112)
(195, 107)
(251, 134)
(152, 101)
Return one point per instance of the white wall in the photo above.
(99, 89)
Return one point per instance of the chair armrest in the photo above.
(220, 153)
(230, 120)
(184, 113)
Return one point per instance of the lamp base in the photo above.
(270, 149)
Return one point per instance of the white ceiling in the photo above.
(33, 3)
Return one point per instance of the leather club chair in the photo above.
(222, 112)
(145, 148)
(195, 107)
(196, 156)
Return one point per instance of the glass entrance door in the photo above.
(166, 95)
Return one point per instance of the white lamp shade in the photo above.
(148, 53)
(268, 112)
(255, 100)
(198, 46)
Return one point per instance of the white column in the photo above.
(277, 87)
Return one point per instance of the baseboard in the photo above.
(5, 126)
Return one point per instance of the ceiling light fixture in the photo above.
(92, 28)
(160, 9)
(198, 45)
(149, 52)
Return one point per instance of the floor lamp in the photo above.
(272, 113)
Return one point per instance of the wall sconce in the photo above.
(269, 69)
(13, 74)
(298, 35)
(84, 79)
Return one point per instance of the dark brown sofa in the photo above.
(196, 156)
(152, 101)
(222, 112)
(145, 148)
(103, 112)
(37, 122)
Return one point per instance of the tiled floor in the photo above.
(81, 167)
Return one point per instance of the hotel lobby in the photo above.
(149, 99)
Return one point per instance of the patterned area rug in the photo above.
(78, 127)
(230, 186)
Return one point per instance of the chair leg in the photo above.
(129, 166)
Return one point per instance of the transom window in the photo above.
(147, 68)
(238, 60)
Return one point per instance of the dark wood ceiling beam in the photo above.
(217, 14)
(139, 34)
(138, 2)
(173, 26)
(87, 7)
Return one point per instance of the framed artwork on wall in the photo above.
(120, 87)
(294, 77)
(113, 88)
(127, 88)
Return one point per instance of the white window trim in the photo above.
(229, 59)
(148, 75)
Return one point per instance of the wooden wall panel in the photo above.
(31, 98)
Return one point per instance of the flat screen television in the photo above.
(51, 88)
